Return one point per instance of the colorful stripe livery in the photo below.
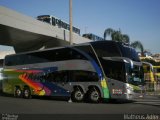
(39, 88)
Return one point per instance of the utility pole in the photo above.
(70, 22)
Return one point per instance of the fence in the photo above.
(152, 88)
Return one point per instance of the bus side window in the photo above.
(59, 77)
(36, 78)
(56, 77)
(50, 77)
(8, 63)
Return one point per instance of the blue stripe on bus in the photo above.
(95, 65)
(56, 90)
(99, 71)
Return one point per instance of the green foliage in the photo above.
(139, 45)
(116, 35)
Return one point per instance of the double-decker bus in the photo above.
(94, 70)
(57, 22)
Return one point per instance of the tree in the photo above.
(139, 45)
(116, 35)
(126, 38)
(108, 32)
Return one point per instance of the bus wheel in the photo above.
(26, 93)
(18, 92)
(93, 95)
(77, 95)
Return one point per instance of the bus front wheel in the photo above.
(77, 95)
(93, 95)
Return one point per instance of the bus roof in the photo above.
(126, 47)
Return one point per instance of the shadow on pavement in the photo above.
(67, 99)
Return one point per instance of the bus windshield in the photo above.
(135, 75)
(114, 69)
(115, 49)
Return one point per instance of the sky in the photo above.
(139, 19)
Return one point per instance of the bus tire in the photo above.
(77, 95)
(93, 95)
(26, 93)
(18, 92)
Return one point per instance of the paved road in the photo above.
(11, 105)
(51, 106)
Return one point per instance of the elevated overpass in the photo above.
(25, 33)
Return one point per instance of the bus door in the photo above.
(116, 89)
(115, 72)
(116, 82)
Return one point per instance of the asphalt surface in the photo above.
(11, 105)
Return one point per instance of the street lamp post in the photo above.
(70, 21)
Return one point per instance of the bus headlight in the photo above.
(129, 90)
(1, 76)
